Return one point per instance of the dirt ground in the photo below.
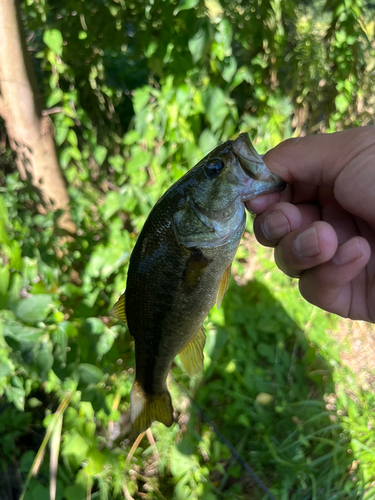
(358, 341)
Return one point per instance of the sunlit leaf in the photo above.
(16, 395)
(185, 5)
(54, 97)
(22, 333)
(90, 374)
(105, 342)
(35, 308)
(54, 40)
(93, 326)
(197, 44)
(341, 103)
(100, 153)
(4, 279)
(141, 97)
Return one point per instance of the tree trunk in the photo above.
(30, 134)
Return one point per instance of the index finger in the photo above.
(318, 159)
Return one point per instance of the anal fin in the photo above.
(118, 310)
(191, 356)
(146, 408)
(223, 287)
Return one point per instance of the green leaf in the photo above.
(117, 163)
(15, 287)
(43, 357)
(207, 141)
(340, 36)
(16, 395)
(67, 328)
(4, 279)
(14, 253)
(4, 238)
(95, 463)
(90, 374)
(27, 461)
(75, 492)
(54, 40)
(229, 70)
(133, 136)
(100, 153)
(140, 99)
(21, 333)
(4, 211)
(72, 138)
(76, 446)
(61, 132)
(93, 326)
(217, 108)
(105, 342)
(6, 368)
(197, 44)
(70, 290)
(224, 34)
(182, 461)
(54, 97)
(341, 103)
(152, 46)
(185, 5)
(34, 309)
(111, 204)
(140, 159)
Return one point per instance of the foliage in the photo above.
(138, 92)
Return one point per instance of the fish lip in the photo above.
(253, 166)
(250, 161)
(260, 187)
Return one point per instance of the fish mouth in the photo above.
(259, 179)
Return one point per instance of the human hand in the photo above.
(323, 225)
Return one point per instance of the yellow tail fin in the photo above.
(145, 408)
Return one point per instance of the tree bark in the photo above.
(30, 134)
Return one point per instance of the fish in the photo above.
(180, 267)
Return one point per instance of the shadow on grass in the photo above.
(264, 389)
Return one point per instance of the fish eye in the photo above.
(214, 167)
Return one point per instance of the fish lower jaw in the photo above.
(260, 187)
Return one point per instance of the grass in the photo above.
(281, 383)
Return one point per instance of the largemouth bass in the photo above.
(180, 266)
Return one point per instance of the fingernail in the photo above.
(276, 225)
(306, 244)
(347, 252)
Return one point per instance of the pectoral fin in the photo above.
(223, 287)
(195, 267)
(146, 408)
(191, 356)
(118, 310)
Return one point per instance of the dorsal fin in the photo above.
(118, 310)
(223, 287)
